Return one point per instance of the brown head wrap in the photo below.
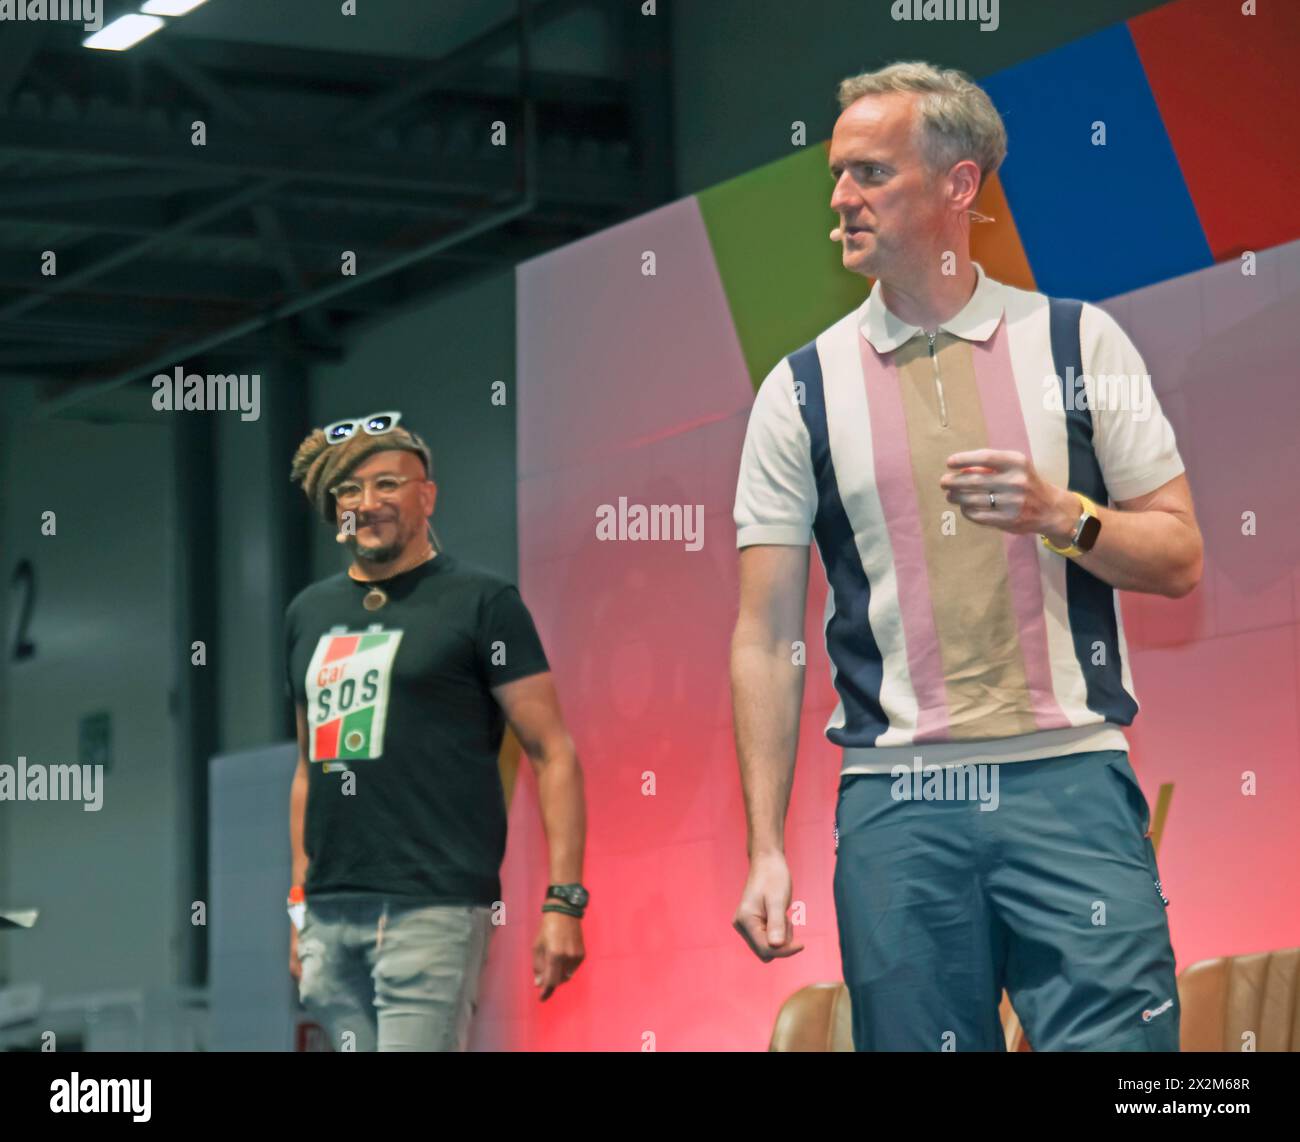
(319, 465)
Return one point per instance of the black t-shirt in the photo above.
(404, 796)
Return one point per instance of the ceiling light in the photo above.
(170, 7)
(124, 32)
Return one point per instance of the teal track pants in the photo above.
(1052, 893)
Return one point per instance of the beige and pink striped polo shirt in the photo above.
(949, 640)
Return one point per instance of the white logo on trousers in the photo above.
(1149, 1015)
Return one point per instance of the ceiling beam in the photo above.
(501, 36)
(183, 350)
(52, 287)
(253, 154)
(98, 185)
(250, 70)
(196, 80)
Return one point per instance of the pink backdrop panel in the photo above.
(609, 357)
(637, 633)
(1216, 672)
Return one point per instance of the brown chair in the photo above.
(1235, 1000)
(1223, 1001)
(814, 1018)
(819, 1018)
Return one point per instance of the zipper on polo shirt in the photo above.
(938, 381)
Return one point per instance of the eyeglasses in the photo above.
(350, 492)
(376, 424)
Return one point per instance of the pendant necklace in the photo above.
(377, 597)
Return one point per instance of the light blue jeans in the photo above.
(380, 975)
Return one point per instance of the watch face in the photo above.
(1088, 533)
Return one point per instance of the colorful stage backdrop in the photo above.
(639, 386)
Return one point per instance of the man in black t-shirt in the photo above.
(404, 670)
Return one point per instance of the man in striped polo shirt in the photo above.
(981, 468)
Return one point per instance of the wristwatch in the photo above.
(1085, 531)
(574, 896)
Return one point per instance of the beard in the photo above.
(376, 553)
(383, 553)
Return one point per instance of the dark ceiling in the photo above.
(325, 133)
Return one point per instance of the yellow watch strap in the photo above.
(1087, 506)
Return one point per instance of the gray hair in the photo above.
(956, 119)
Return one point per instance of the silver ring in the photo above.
(993, 500)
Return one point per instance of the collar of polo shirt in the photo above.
(975, 321)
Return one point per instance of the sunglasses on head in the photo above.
(376, 424)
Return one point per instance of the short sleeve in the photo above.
(776, 495)
(1133, 440)
(508, 644)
